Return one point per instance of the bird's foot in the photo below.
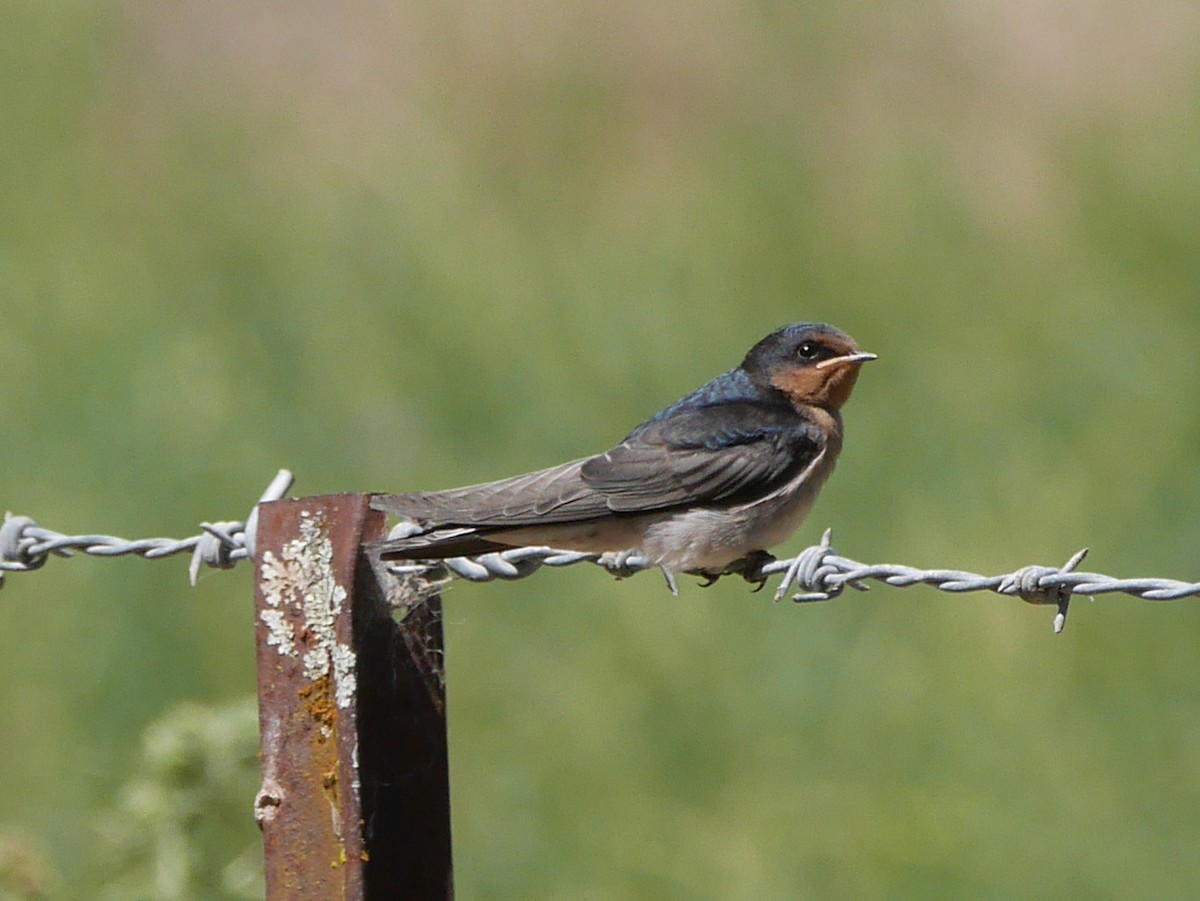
(620, 563)
(749, 568)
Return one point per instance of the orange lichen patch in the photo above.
(318, 701)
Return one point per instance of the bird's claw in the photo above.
(752, 568)
(749, 568)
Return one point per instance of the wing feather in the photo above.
(682, 459)
(678, 459)
(557, 494)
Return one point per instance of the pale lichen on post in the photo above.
(300, 582)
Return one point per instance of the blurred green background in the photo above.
(411, 245)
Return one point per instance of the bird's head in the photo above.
(812, 363)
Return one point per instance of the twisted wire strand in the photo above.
(24, 545)
(820, 574)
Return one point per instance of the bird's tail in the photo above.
(437, 544)
(456, 522)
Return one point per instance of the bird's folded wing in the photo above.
(694, 458)
(674, 461)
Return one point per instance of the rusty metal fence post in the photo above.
(355, 799)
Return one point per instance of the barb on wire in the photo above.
(821, 574)
(24, 545)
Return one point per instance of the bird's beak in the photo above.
(848, 358)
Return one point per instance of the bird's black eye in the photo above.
(809, 350)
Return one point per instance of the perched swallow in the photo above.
(704, 487)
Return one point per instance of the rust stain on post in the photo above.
(355, 797)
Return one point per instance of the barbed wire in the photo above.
(821, 574)
(24, 545)
(818, 572)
